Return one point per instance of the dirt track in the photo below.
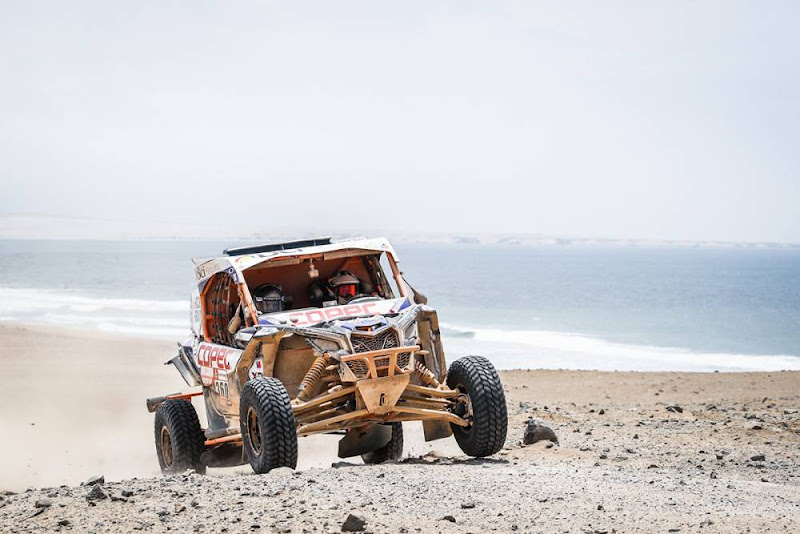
(625, 463)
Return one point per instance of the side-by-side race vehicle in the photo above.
(310, 337)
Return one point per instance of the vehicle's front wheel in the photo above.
(483, 402)
(179, 438)
(391, 451)
(268, 425)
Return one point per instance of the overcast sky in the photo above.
(666, 120)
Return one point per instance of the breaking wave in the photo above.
(507, 348)
(542, 349)
(137, 317)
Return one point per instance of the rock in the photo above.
(449, 518)
(353, 523)
(758, 458)
(600, 508)
(96, 493)
(127, 493)
(282, 472)
(536, 430)
(96, 480)
(43, 503)
(755, 426)
(467, 504)
(790, 411)
(179, 508)
(675, 408)
(63, 522)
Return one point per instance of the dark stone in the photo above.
(96, 493)
(675, 409)
(758, 458)
(96, 480)
(449, 518)
(536, 430)
(467, 504)
(43, 503)
(353, 523)
(127, 493)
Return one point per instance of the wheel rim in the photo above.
(468, 414)
(254, 430)
(166, 447)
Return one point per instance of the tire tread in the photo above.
(487, 434)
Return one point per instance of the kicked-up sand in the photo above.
(637, 452)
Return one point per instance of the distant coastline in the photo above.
(44, 227)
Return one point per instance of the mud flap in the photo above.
(436, 430)
(364, 440)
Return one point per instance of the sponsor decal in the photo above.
(321, 315)
(215, 361)
(257, 369)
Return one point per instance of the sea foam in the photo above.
(507, 348)
(533, 349)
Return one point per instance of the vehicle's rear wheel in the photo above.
(268, 425)
(483, 401)
(179, 438)
(391, 451)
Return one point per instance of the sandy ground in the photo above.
(74, 407)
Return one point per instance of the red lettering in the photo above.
(353, 309)
(333, 312)
(297, 319)
(367, 306)
(315, 316)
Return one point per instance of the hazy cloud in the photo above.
(620, 119)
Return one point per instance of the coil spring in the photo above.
(426, 375)
(312, 377)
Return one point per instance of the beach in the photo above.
(637, 451)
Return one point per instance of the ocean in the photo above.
(571, 307)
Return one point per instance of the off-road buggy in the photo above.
(358, 369)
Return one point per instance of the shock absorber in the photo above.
(313, 375)
(426, 375)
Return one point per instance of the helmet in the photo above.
(268, 298)
(345, 286)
